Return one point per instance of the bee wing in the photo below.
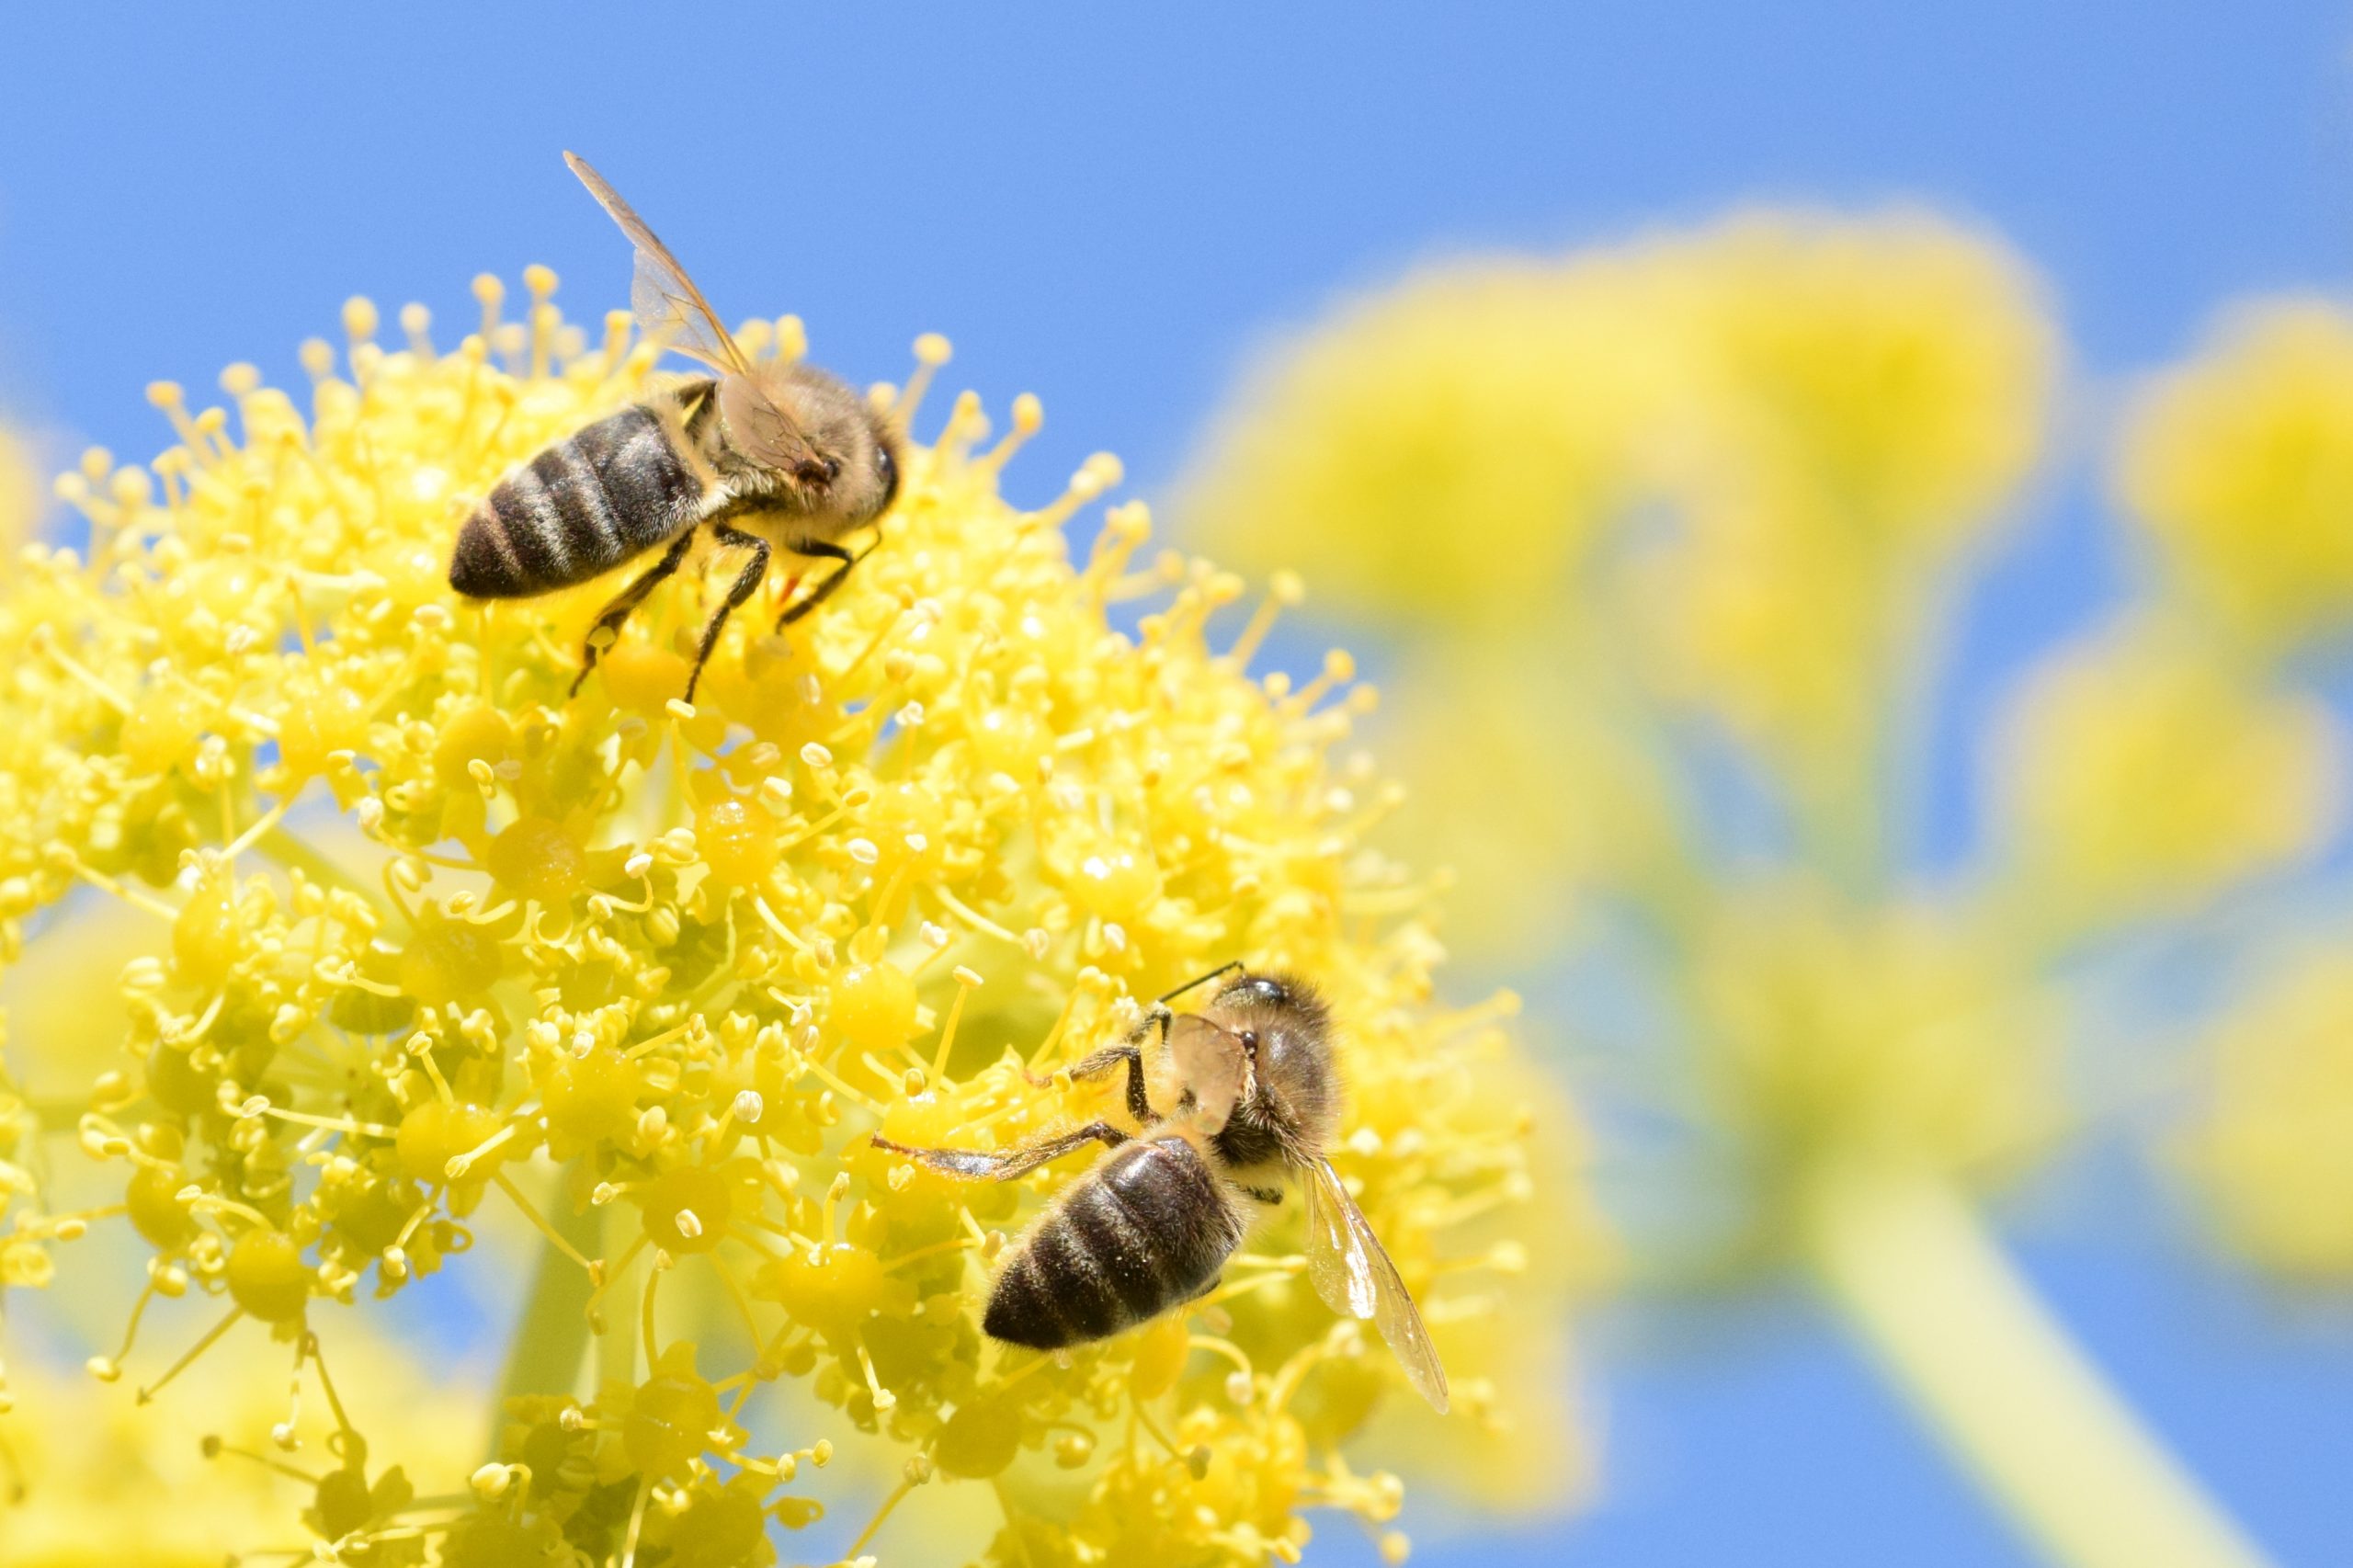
(765, 433)
(672, 311)
(1351, 1271)
(1210, 1062)
(668, 306)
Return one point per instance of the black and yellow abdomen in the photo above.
(580, 507)
(1145, 1230)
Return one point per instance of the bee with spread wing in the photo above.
(1256, 1101)
(787, 444)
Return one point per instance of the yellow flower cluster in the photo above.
(1426, 450)
(2241, 466)
(2275, 1152)
(1830, 407)
(424, 937)
(2143, 778)
(119, 1486)
(1670, 535)
(1665, 704)
(1897, 1035)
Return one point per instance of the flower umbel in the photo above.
(1675, 577)
(427, 935)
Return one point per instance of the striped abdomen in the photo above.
(581, 506)
(1147, 1229)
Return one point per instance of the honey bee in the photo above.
(1255, 1100)
(790, 441)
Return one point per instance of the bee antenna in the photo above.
(1227, 967)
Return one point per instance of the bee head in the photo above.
(1286, 1034)
(857, 465)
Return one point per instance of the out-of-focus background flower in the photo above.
(1853, 513)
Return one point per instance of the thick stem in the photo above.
(1988, 1371)
(551, 1331)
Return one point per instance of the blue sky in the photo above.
(1115, 211)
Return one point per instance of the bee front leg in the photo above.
(746, 582)
(611, 618)
(1129, 1053)
(828, 551)
(1012, 1162)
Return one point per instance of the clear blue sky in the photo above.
(1111, 213)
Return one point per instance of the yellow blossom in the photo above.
(2240, 463)
(2273, 1147)
(1440, 453)
(1893, 1034)
(1685, 696)
(1866, 397)
(423, 938)
(1752, 449)
(114, 1485)
(2139, 777)
(1497, 748)
(1887, 378)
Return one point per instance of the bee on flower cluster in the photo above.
(783, 443)
(1252, 1100)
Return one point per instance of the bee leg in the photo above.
(1012, 1162)
(1128, 1053)
(826, 549)
(1266, 1194)
(746, 582)
(614, 614)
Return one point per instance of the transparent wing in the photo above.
(763, 432)
(668, 306)
(1350, 1270)
(1210, 1061)
(672, 311)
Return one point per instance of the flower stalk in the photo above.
(1908, 1264)
(551, 1326)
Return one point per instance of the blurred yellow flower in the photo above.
(1886, 380)
(1866, 397)
(1525, 792)
(2139, 776)
(409, 916)
(119, 1485)
(1439, 453)
(1688, 699)
(2240, 463)
(2273, 1148)
(1830, 1034)
(1795, 645)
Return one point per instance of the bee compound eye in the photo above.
(886, 468)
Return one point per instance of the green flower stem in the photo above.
(297, 854)
(1986, 1367)
(551, 1331)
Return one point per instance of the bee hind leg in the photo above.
(828, 551)
(611, 618)
(746, 582)
(1012, 1162)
